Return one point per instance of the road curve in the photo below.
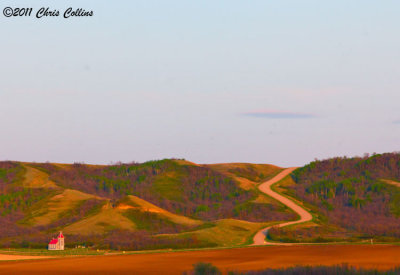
(259, 238)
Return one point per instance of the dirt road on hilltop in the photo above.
(259, 238)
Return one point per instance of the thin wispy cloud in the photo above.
(396, 121)
(278, 115)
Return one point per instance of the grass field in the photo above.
(45, 252)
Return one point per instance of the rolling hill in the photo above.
(174, 203)
(166, 203)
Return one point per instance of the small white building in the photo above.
(57, 244)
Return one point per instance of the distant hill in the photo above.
(156, 204)
(351, 198)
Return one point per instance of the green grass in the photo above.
(226, 232)
(147, 220)
(58, 206)
(45, 252)
(145, 206)
(107, 219)
(168, 186)
(90, 252)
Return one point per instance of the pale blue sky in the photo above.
(279, 82)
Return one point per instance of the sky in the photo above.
(281, 82)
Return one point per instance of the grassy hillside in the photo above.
(179, 204)
(157, 204)
(352, 199)
(225, 232)
(108, 218)
(58, 206)
(133, 203)
(179, 187)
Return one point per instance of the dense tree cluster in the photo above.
(350, 192)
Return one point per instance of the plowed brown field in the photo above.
(367, 256)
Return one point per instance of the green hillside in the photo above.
(179, 204)
(352, 199)
(157, 204)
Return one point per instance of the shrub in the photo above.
(205, 269)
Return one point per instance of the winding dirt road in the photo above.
(259, 238)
